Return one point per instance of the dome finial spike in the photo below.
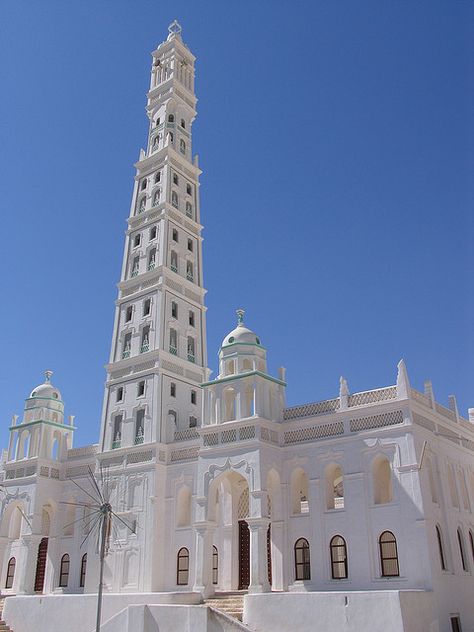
(47, 375)
(175, 28)
(240, 316)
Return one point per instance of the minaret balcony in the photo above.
(191, 358)
(116, 444)
(145, 348)
(173, 350)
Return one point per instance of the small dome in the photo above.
(46, 390)
(241, 333)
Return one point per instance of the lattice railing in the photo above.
(334, 429)
(310, 410)
(186, 435)
(372, 397)
(185, 454)
(376, 421)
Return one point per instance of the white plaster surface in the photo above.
(368, 611)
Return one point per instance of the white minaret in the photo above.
(158, 356)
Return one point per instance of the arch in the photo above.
(45, 522)
(442, 558)
(302, 560)
(229, 404)
(12, 521)
(338, 550)
(299, 491)
(55, 447)
(431, 479)
(183, 507)
(182, 567)
(82, 576)
(334, 477)
(382, 480)
(64, 571)
(471, 542)
(248, 404)
(462, 550)
(275, 509)
(388, 555)
(229, 367)
(215, 566)
(10, 572)
(23, 445)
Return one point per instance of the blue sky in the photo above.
(337, 152)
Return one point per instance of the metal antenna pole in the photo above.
(103, 539)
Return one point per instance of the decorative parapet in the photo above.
(186, 435)
(363, 398)
(77, 453)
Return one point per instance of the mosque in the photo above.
(232, 511)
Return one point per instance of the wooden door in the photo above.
(269, 555)
(41, 565)
(244, 555)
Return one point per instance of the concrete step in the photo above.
(231, 604)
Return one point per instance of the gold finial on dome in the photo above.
(47, 375)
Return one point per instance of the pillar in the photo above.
(203, 561)
(26, 566)
(258, 555)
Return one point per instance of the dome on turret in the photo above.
(241, 334)
(46, 390)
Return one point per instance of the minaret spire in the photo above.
(158, 358)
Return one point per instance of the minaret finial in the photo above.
(240, 316)
(47, 375)
(174, 28)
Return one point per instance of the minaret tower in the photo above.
(158, 356)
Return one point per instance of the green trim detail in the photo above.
(248, 344)
(237, 376)
(42, 421)
(50, 399)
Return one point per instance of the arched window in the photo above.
(471, 540)
(215, 566)
(334, 487)
(156, 197)
(174, 199)
(157, 177)
(174, 261)
(382, 480)
(388, 555)
(338, 557)
(152, 259)
(142, 204)
(191, 349)
(183, 123)
(302, 560)
(156, 142)
(183, 507)
(299, 491)
(64, 571)
(182, 567)
(190, 271)
(82, 578)
(462, 551)
(182, 146)
(189, 209)
(439, 537)
(10, 572)
(170, 118)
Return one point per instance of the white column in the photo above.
(203, 562)
(26, 569)
(258, 555)
(278, 548)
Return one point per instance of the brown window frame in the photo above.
(336, 563)
(303, 567)
(183, 555)
(82, 577)
(10, 574)
(64, 571)
(215, 566)
(384, 558)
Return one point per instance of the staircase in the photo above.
(3, 626)
(230, 603)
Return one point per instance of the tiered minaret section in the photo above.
(158, 357)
